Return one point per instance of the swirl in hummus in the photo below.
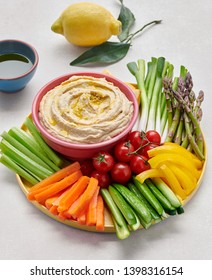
(85, 109)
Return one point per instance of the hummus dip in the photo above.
(85, 109)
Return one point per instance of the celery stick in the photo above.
(24, 161)
(122, 230)
(29, 142)
(24, 138)
(36, 134)
(24, 150)
(137, 224)
(9, 163)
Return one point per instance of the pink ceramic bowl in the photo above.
(81, 151)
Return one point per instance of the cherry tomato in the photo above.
(123, 151)
(102, 177)
(153, 136)
(137, 138)
(103, 161)
(145, 150)
(139, 164)
(87, 167)
(121, 172)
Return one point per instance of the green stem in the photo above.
(9, 163)
(138, 70)
(156, 97)
(191, 139)
(175, 122)
(24, 161)
(178, 136)
(130, 36)
(35, 133)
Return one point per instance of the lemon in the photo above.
(86, 24)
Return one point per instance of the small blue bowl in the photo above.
(18, 64)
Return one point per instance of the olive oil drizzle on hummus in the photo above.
(85, 109)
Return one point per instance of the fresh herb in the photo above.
(111, 52)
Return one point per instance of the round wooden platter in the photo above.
(109, 227)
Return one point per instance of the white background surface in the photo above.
(184, 37)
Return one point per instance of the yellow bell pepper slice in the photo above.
(150, 173)
(178, 159)
(172, 181)
(169, 147)
(187, 181)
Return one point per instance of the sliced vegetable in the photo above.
(150, 197)
(24, 161)
(16, 144)
(55, 188)
(49, 152)
(85, 198)
(122, 230)
(135, 203)
(179, 159)
(73, 193)
(151, 173)
(100, 214)
(91, 214)
(54, 178)
(155, 216)
(173, 181)
(137, 224)
(161, 198)
(123, 206)
(29, 142)
(167, 192)
(8, 162)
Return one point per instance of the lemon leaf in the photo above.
(108, 52)
(127, 19)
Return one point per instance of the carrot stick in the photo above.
(31, 195)
(49, 201)
(82, 219)
(67, 213)
(53, 210)
(100, 214)
(59, 186)
(85, 198)
(75, 191)
(57, 176)
(63, 193)
(61, 216)
(91, 212)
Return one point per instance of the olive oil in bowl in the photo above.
(14, 65)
